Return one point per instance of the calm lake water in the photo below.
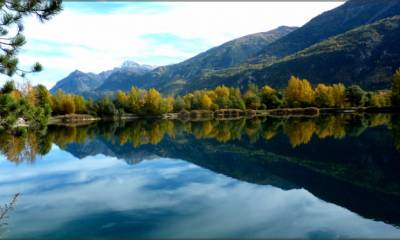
(325, 177)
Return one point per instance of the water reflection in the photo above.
(102, 197)
(331, 176)
(299, 131)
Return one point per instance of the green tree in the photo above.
(8, 87)
(236, 99)
(11, 30)
(8, 107)
(355, 96)
(251, 99)
(270, 97)
(179, 104)
(105, 107)
(43, 98)
(324, 96)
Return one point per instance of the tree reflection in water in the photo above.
(299, 131)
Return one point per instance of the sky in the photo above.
(98, 36)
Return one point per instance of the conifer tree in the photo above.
(11, 30)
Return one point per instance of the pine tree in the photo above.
(12, 14)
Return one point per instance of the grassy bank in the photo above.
(222, 114)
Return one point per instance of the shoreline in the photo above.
(221, 114)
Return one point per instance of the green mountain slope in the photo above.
(367, 56)
(175, 76)
(271, 65)
(352, 14)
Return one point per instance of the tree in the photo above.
(222, 97)
(68, 105)
(152, 101)
(355, 96)
(299, 93)
(8, 87)
(134, 101)
(80, 105)
(236, 99)
(121, 100)
(62, 103)
(167, 105)
(324, 96)
(339, 95)
(43, 95)
(395, 99)
(270, 97)
(251, 99)
(179, 104)
(222, 91)
(380, 99)
(205, 101)
(43, 98)
(105, 107)
(11, 30)
(8, 107)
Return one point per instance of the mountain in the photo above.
(175, 76)
(277, 61)
(348, 44)
(79, 82)
(367, 55)
(281, 57)
(351, 14)
(135, 67)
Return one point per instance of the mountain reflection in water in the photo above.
(267, 177)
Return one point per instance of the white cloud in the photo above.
(96, 41)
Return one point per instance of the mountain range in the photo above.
(355, 43)
(79, 82)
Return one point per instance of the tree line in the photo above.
(35, 103)
(298, 93)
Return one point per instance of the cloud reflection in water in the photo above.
(63, 196)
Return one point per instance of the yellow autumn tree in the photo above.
(299, 93)
(152, 101)
(205, 101)
(122, 99)
(135, 102)
(79, 103)
(222, 91)
(339, 95)
(68, 105)
(167, 105)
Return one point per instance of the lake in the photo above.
(326, 177)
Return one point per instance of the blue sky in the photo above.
(97, 36)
